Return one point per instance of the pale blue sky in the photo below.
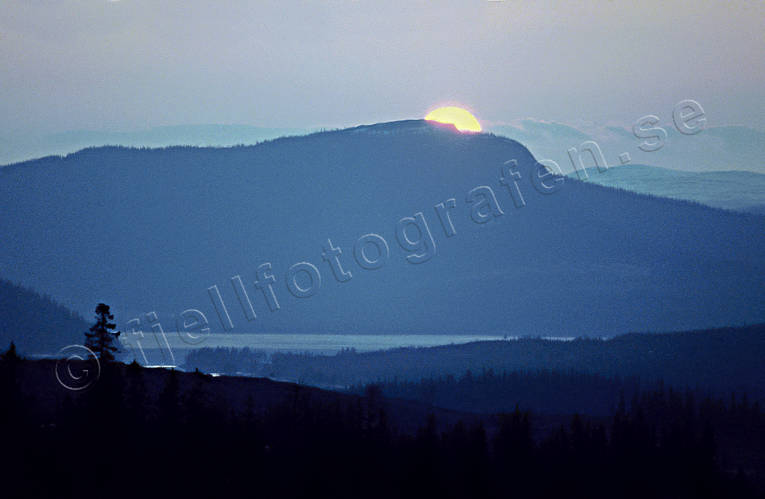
(95, 64)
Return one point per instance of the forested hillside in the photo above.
(279, 439)
(720, 360)
(154, 229)
(35, 322)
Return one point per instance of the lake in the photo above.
(171, 348)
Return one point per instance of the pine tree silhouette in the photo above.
(10, 356)
(101, 339)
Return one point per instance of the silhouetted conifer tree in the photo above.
(10, 356)
(101, 338)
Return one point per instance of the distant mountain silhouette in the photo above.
(35, 322)
(732, 190)
(25, 146)
(152, 230)
(713, 149)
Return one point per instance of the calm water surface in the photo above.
(171, 348)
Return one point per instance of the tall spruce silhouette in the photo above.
(101, 339)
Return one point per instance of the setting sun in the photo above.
(462, 119)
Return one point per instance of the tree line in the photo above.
(140, 430)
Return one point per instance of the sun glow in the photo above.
(462, 119)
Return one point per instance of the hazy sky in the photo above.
(96, 64)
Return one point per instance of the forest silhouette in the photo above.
(159, 432)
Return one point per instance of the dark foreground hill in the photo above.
(43, 383)
(155, 229)
(35, 322)
(138, 432)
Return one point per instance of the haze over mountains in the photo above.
(152, 230)
(722, 166)
(20, 146)
(731, 190)
(715, 148)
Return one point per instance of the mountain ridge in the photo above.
(176, 221)
(728, 189)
